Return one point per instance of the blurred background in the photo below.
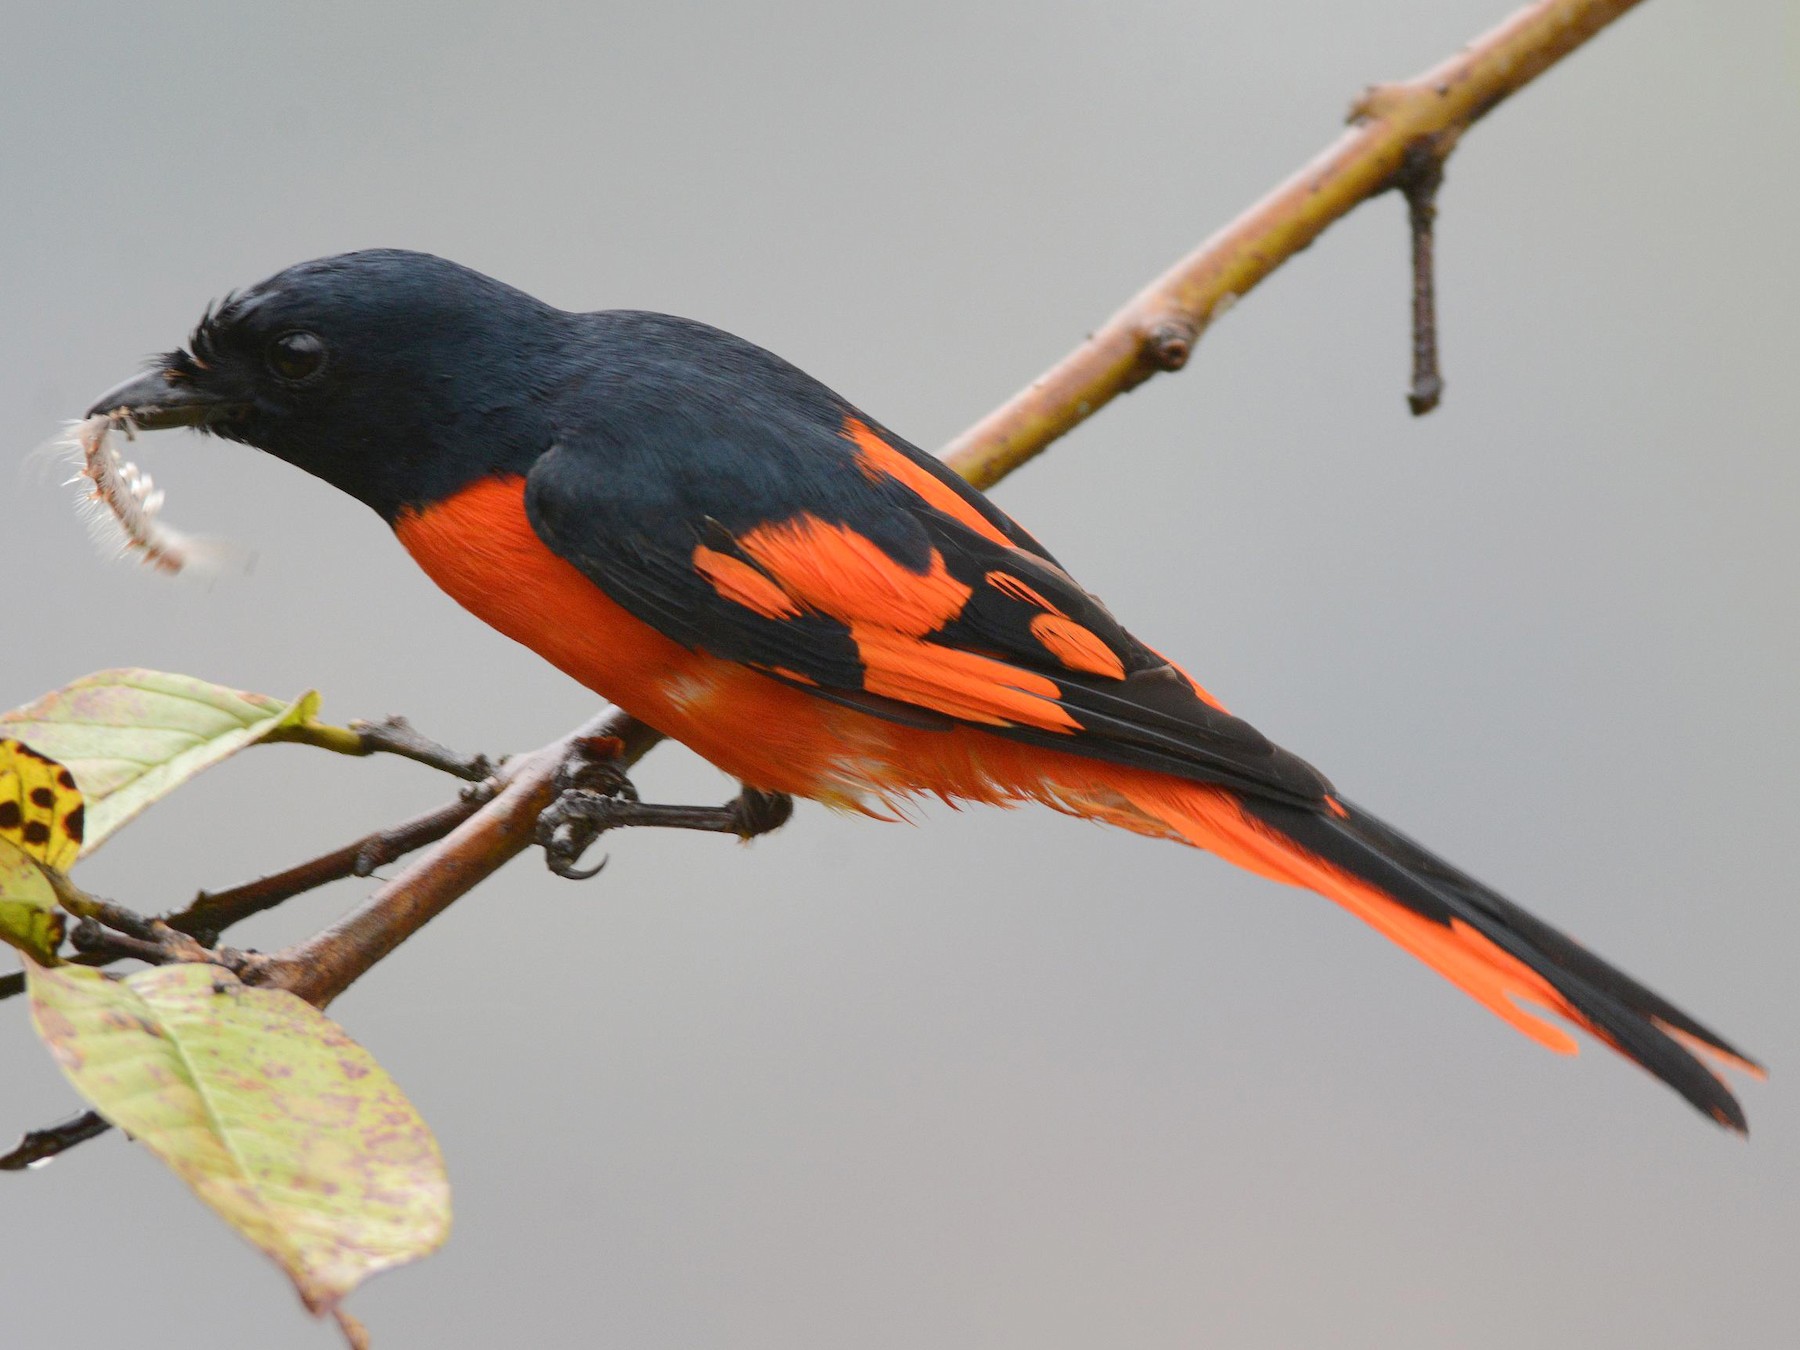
(1001, 1079)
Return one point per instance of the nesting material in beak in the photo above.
(124, 506)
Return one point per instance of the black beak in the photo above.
(154, 401)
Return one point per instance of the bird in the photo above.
(737, 556)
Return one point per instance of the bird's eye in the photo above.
(297, 356)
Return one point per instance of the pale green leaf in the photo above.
(131, 737)
(29, 917)
(264, 1106)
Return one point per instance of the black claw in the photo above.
(570, 825)
(563, 865)
(587, 767)
(591, 790)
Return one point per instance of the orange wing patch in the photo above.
(958, 683)
(1013, 588)
(879, 460)
(1076, 647)
(835, 570)
(735, 580)
(792, 676)
(890, 611)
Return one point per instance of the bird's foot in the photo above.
(596, 796)
(593, 766)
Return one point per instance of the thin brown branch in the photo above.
(211, 913)
(39, 1146)
(1157, 329)
(95, 910)
(90, 939)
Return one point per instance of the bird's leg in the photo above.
(571, 823)
(595, 796)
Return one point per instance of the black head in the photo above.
(396, 376)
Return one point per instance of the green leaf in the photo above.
(131, 737)
(264, 1106)
(29, 916)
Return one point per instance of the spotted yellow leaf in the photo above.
(40, 806)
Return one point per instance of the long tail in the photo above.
(1475, 937)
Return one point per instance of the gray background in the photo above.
(1003, 1079)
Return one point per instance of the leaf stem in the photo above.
(390, 736)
